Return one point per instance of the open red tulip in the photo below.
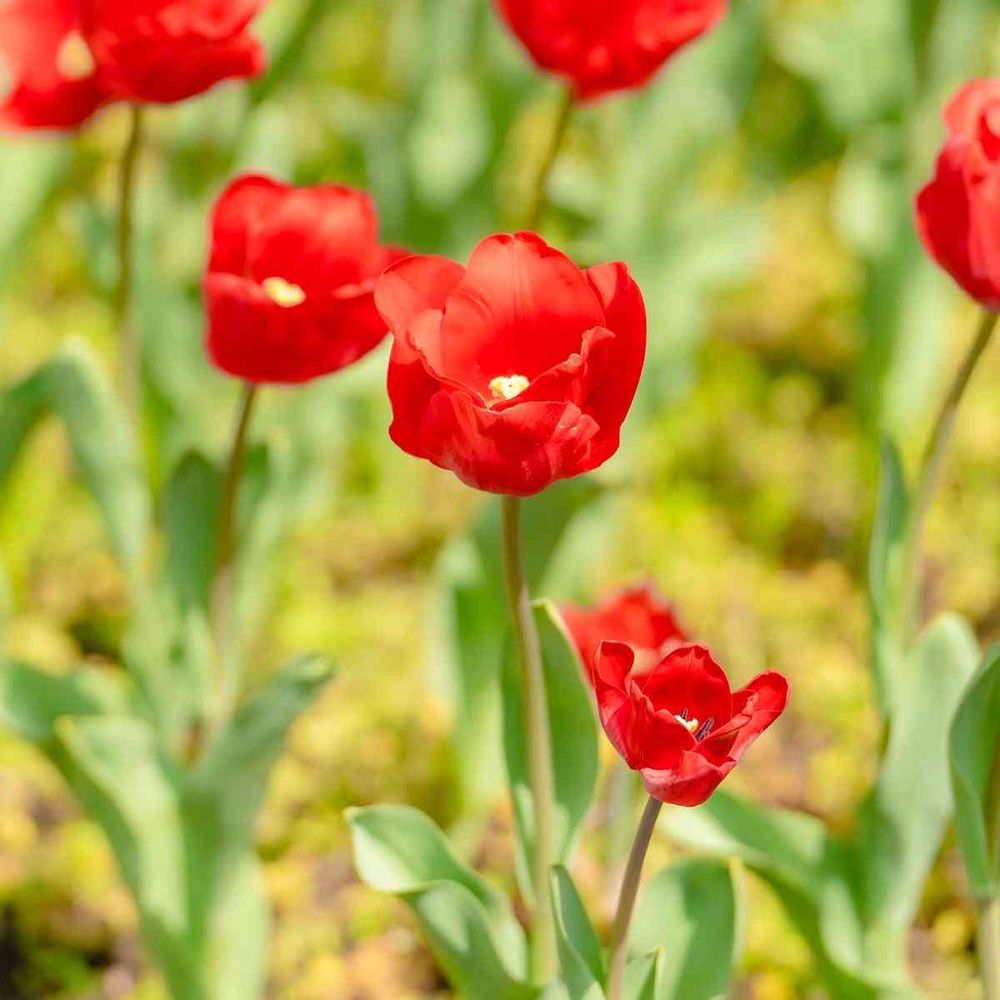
(679, 725)
(636, 615)
(290, 280)
(603, 47)
(958, 212)
(516, 371)
(60, 60)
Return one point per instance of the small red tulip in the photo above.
(162, 51)
(603, 47)
(678, 724)
(290, 280)
(48, 75)
(65, 58)
(958, 212)
(636, 615)
(516, 371)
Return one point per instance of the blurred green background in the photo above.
(761, 191)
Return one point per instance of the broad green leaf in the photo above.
(642, 976)
(32, 702)
(974, 744)
(581, 960)
(692, 911)
(73, 387)
(574, 745)
(901, 831)
(467, 922)
(190, 517)
(885, 567)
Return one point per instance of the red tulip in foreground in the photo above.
(636, 615)
(678, 724)
(66, 58)
(515, 371)
(958, 212)
(603, 47)
(290, 280)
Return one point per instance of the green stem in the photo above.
(536, 207)
(131, 379)
(930, 473)
(226, 681)
(626, 901)
(539, 738)
(988, 942)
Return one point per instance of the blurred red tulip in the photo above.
(678, 724)
(603, 47)
(48, 75)
(516, 371)
(290, 280)
(958, 212)
(161, 51)
(65, 58)
(636, 615)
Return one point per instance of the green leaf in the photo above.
(885, 568)
(474, 623)
(692, 911)
(190, 503)
(975, 740)
(468, 923)
(72, 386)
(571, 719)
(901, 830)
(32, 702)
(581, 960)
(642, 976)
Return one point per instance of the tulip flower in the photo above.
(290, 280)
(516, 371)
(67, 58)
(958, 212)
(604, 47)
(679, 725)
(636, 615)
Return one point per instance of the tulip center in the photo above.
(508, 386)
(699, 730)
(691, 725)
(74, 60)
(283, 293)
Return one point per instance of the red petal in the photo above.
(415, 285)
(689, 680)
(755, 708)
(239, 218)
(688, 782)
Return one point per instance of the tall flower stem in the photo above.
(131, 380)
(226, 681)
(931, 469)
(539, 737)
(536, 207)
(626, 900)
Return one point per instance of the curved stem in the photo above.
(225, 687)
(539, 739)
(626, 900)
(131, 379)
(536, 207)
(930, 472)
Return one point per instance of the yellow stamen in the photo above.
(283, 293)
(74, 60)
(508, 386)
(691, 725)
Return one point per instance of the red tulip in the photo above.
(516, 371)
(636, 615)
(602, 47)
(290, 280)
(678, 724)
(161, 51)
(65, 58)
(48, 75)
(958, 212)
